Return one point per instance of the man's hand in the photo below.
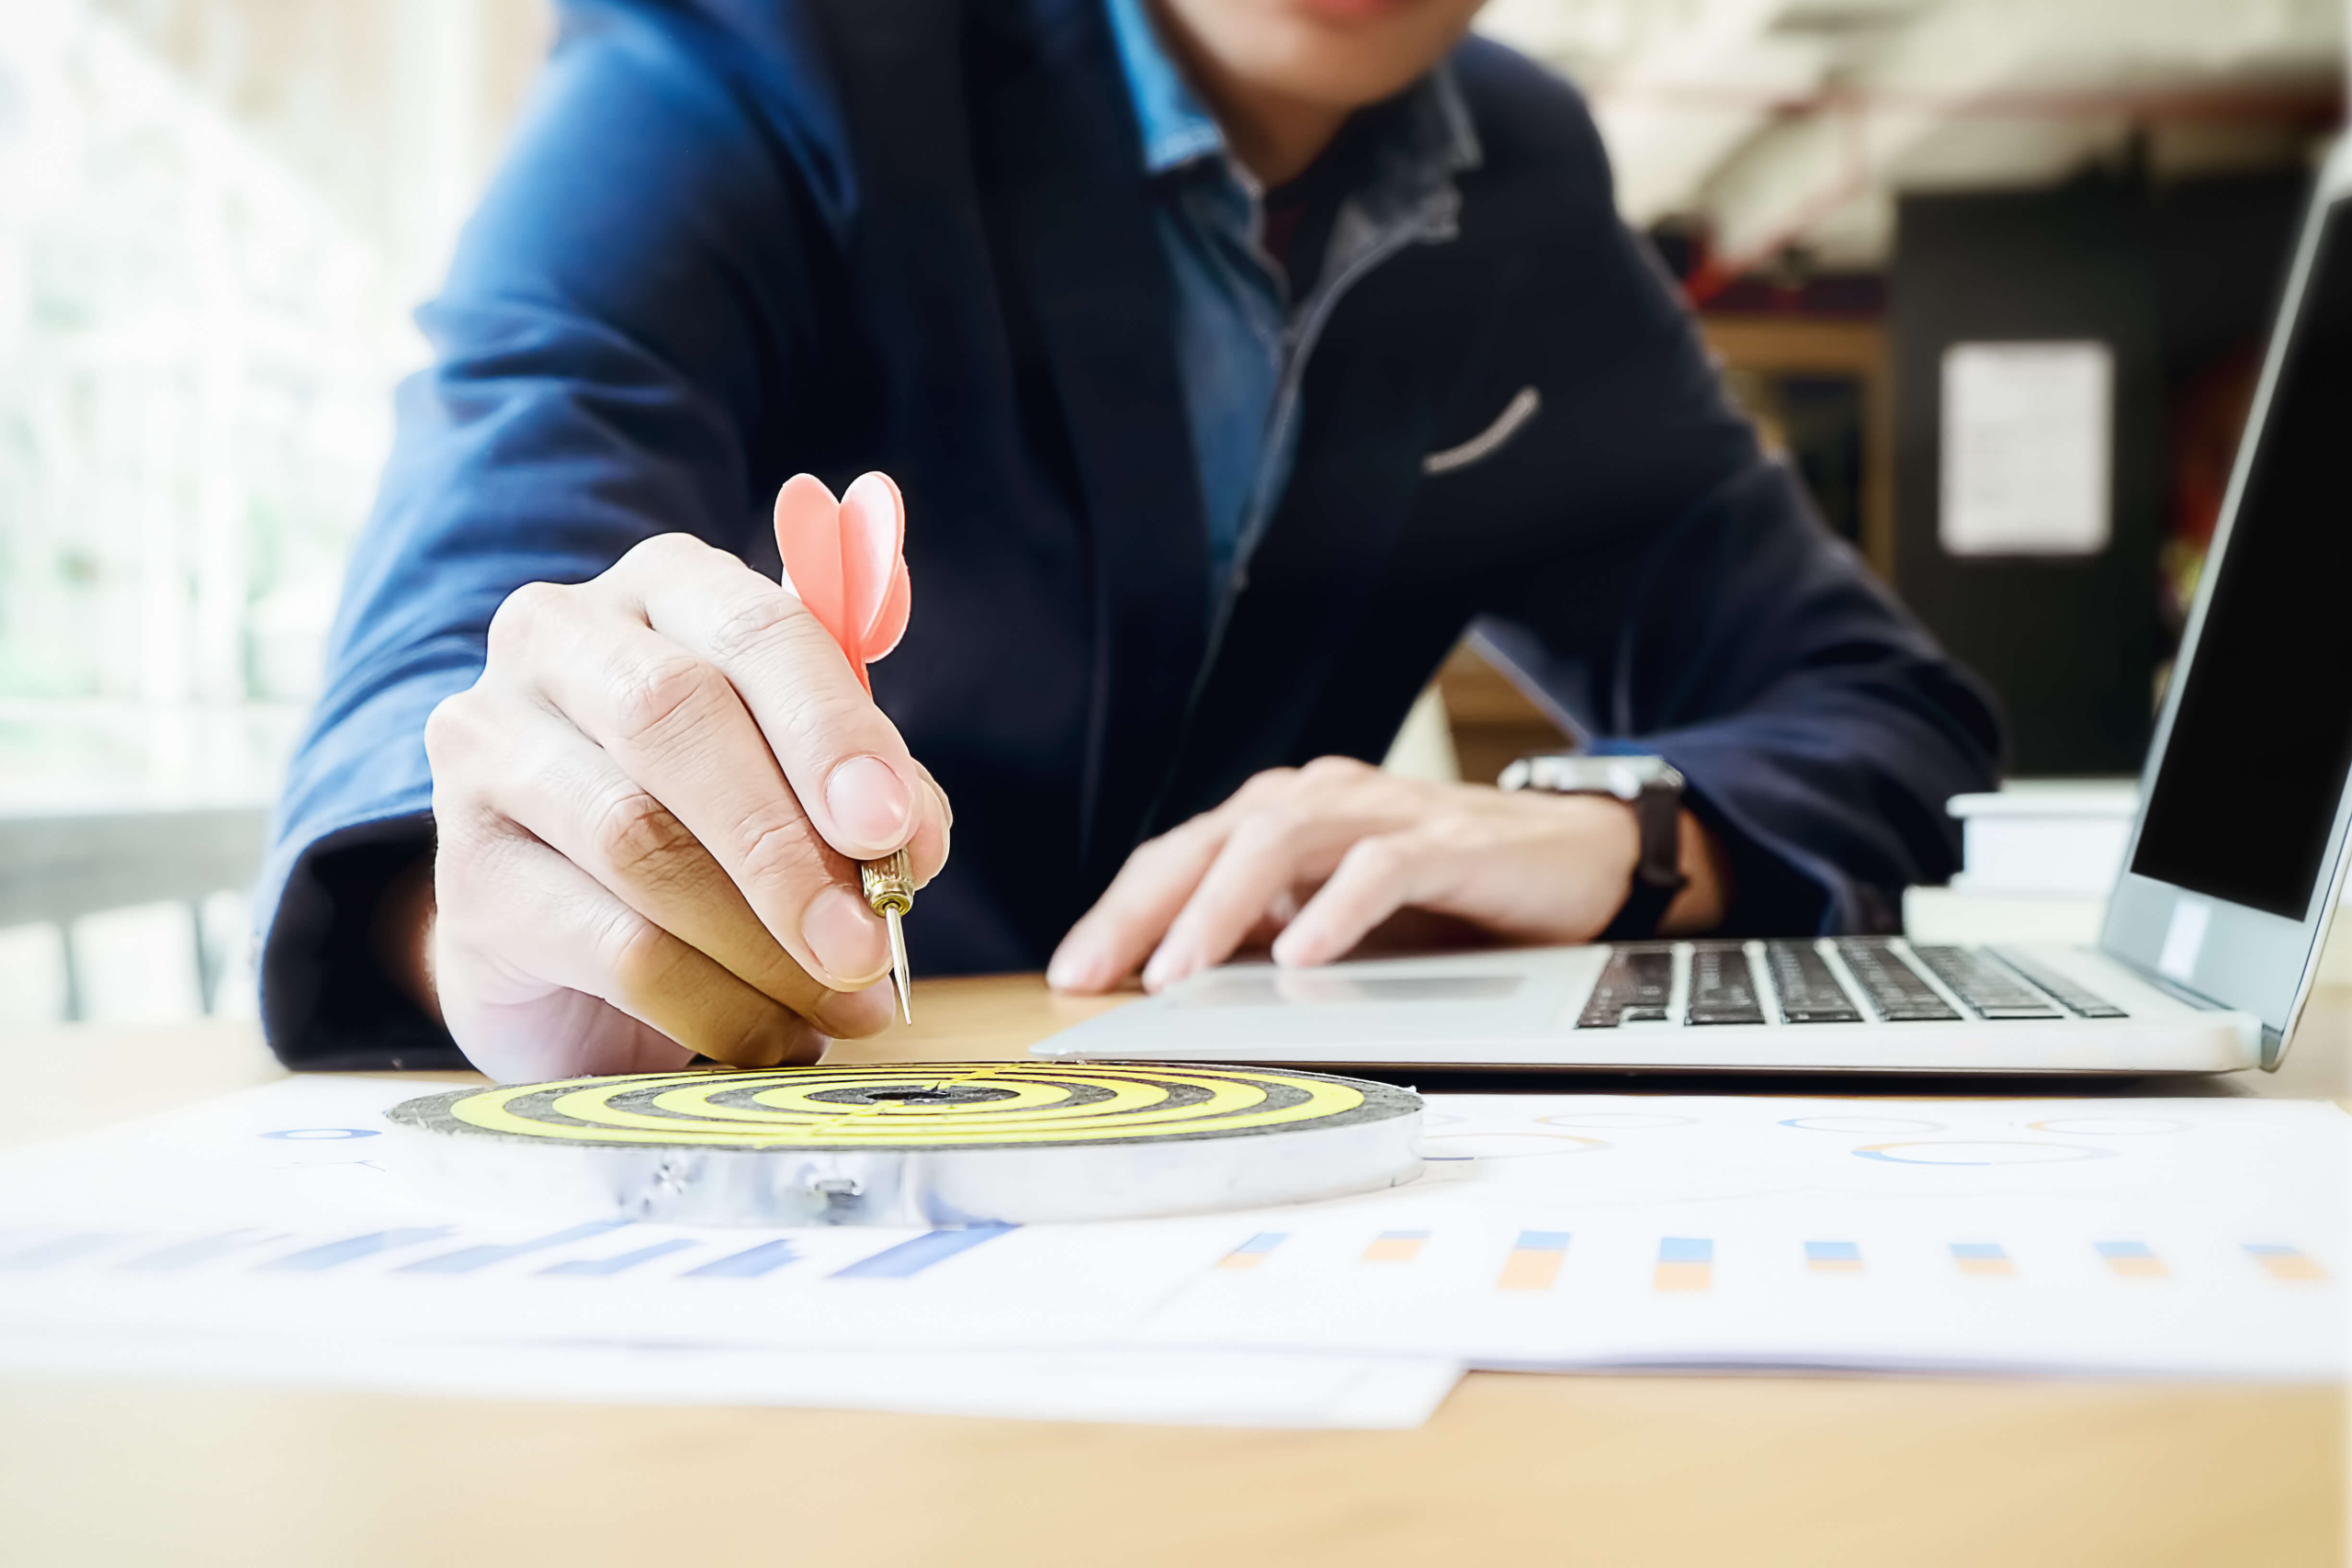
(1324, 853)
(649, 809)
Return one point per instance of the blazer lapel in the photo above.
(1062, 140)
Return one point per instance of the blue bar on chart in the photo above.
(2132, 1261)
(619, 1263)
(1534, 1263)
(1986, 1260)
(63, 1249)
(334, 1254)
(1833, 1258)
(466, 1260)
(1684, 1263)
(2288, 1265)
(1395, 1247)
(749, 1264)
(204, 1249)
(1254, 1251)
(911, 1258)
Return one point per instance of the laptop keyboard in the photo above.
(1990, 988)
(1722, 989)
(1636, 987)
(2070, 995)
(1809, 992)
(1893, 987)
(1638, 983)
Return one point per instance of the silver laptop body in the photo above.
(2213, 931)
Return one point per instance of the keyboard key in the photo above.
(1895, 990)
(1722, 991)
(2073, 997)
(1634, 988)
(1806, 986)
(1991, 991)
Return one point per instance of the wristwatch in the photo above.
(1654, 789)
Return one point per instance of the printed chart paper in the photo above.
(2194, 1238)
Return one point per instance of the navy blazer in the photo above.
(737, 239)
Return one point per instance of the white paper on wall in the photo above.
(2026, 449)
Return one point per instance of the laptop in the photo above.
(2214, 930)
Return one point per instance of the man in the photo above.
(1232, 358)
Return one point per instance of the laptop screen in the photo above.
(2262, 738)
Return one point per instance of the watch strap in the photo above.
(1658, 875)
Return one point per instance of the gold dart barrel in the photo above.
(890, 885)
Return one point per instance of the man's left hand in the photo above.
(1319, 856)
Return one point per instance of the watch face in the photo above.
(1621, 776)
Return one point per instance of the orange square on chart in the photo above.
(1683, 1276)
(1530, 1270)
(1534, 1261)
(1254, 1251)
(1396, 1246)
(1684, 1263)
(2287, 1265)
(1984, 1260)
(1833, 1258)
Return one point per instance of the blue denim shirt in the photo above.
(1241, 342)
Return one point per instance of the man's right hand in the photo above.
(650, 811)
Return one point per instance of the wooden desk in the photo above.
(1514, 1469)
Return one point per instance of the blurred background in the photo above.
(1993, 275)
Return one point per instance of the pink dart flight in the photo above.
(845, 559)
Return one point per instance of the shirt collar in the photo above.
(1435, 137)
(1176, 129)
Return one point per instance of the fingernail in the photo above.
(845, 937)
(1072, 972)
(1165, 969)
(869, 802)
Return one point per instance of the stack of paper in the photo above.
(2038, 860)
(2048, 837)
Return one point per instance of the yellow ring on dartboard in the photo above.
(1026, 1104)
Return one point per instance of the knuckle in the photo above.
(1454, 830)
(1266, 786)
(1169, 845)
(661, 694)
(1335, 770)
(450, 730)
(754, 626)
(817, 722)
(520, 614)
(778, 856)
(661, 553)
(1269, 828)
(639, 837)
(1379, 859)
(638, 956)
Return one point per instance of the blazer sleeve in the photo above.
(1697, 609)
(622, 317)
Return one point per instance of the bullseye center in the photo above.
(916, 1094)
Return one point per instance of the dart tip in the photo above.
(898, 976)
